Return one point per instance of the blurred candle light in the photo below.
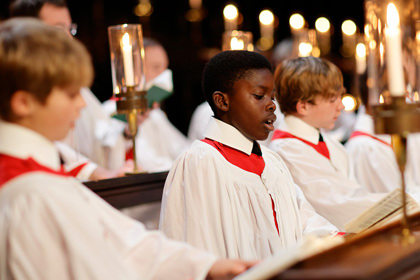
(266, 19)
(323, 31)
(297, 22)
(195, 4)
(305, 49)
(230, 14)
(349, 29)
(360, 58)
(128, 60)
(236, 44)
(237, 40)
(297, 27)
(349, 102)
(393, 52)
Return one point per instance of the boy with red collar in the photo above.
(227, 194)
(309, 92)
(53, 227)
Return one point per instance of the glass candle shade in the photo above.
(127, 65)
(237, 40)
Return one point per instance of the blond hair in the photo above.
(304, 78)
(36, 58)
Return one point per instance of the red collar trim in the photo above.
(12, 167)
(251, 163)
(361, 133)
(321, 147)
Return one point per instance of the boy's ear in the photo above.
(302, 107)
(22, 103)
(221, 100)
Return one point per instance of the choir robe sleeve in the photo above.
(55, 228)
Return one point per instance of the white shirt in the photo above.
(373, 160)
(325, 182)
(215, 205)
(53, 227)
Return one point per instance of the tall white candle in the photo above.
(128, 60)
(266, 24)
(394, 52)
(230, 14)
(360, 58)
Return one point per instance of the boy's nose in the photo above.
(271, 106)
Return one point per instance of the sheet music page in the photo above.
(383, 209)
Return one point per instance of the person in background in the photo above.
(372, 156)
(95, 148)
(53, 227)
(227, 194)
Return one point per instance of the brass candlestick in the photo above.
(131, 104)
(128, 75)
(399, 119)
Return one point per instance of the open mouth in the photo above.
(269, 124)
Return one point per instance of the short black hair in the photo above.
(227, 67)
(31, 8)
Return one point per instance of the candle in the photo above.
(348, 29)
(323, 30)
(360, 58)
(230, 13)
(266, 24)
(128, 60)
(393, 52)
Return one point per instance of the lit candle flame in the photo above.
(297, 21)
(322, 24)
(305, 49)
(361, 50)
(230, 12)
(349, 27)
(266, 17)
(236, 44)
(392, 17)
(126, 40)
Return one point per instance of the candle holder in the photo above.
(392, 36)
(237, 40)
(128, 75)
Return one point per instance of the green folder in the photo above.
(154, 94)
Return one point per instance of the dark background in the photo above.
(189, 45)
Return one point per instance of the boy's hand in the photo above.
(227, 269)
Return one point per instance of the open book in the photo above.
(272, 266)
(383, 212)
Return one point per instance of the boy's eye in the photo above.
(257, 96)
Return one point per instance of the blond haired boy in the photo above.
(309, 92)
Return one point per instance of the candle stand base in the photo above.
(399, 119)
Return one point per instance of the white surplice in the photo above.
(325, 182)
(215, 205)
(373, 160)
(53, 227)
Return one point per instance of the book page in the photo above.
(386, 209)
